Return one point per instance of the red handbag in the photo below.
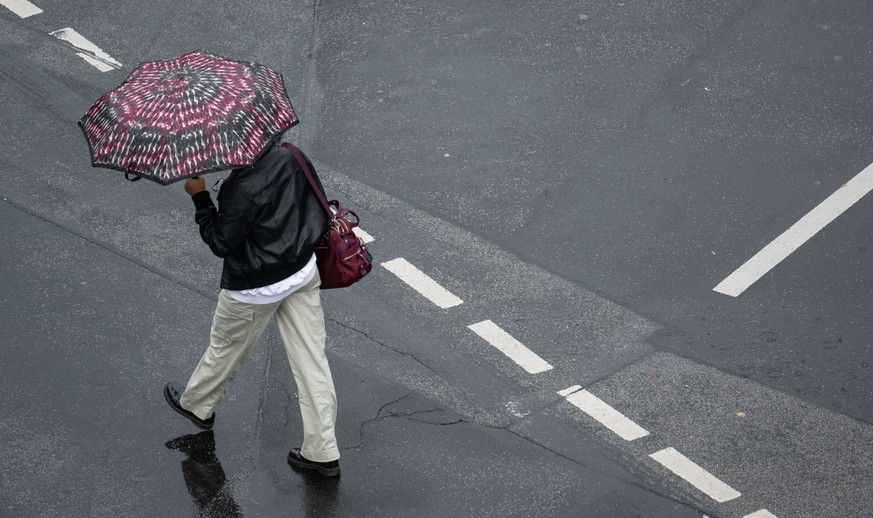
(342, 257)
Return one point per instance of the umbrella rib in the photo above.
(241, 137)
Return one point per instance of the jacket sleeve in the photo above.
(226, 229)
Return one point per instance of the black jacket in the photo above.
(267, 223)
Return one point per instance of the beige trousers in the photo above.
(238, 326)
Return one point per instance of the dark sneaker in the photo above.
(328, 469)
(172, 395)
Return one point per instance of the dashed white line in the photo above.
(421, 283)
(763, 513)
(515, 350)
(365, 237)
(606, 415)
(92, 53)
(695, 475)
(799, 233)
(22, 8)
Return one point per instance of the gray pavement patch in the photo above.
(584, 336)
(780, 452)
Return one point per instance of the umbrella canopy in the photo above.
(187, 116)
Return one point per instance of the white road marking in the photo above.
(505, 343)
(763, 513)
(606, 415)
(22, 8)
(567, 391)
(695, 475)
(421, 283)
(92, 53)
(799, 233)
(365, 237)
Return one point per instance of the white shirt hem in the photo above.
(279, 290)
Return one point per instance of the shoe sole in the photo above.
(327, 472)
(181, 411)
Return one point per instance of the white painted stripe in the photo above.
(799, 233)
(607, 416)
(365, 237)
(695, 475)
(763, 513)
(422, 283)
(511, 347)
(92, 53)
(567, 391)
(22, 8)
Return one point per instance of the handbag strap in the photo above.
(303, 165)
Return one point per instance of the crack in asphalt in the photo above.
(386, 346)
(378, 418)
(408, 416)
(360, 444)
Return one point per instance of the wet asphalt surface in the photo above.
(92, 337)
(581, 173)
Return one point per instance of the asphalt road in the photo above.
(644, 150)
(582, 175)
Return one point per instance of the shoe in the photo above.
(172, 395)
(328, 469)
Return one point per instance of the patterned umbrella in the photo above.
(187, 116)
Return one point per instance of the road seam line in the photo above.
(515, 350)
(605, 414)
(695, 475)
(91, 53)
(112, 249)
(567, 391)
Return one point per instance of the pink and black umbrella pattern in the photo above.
(187, 116)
